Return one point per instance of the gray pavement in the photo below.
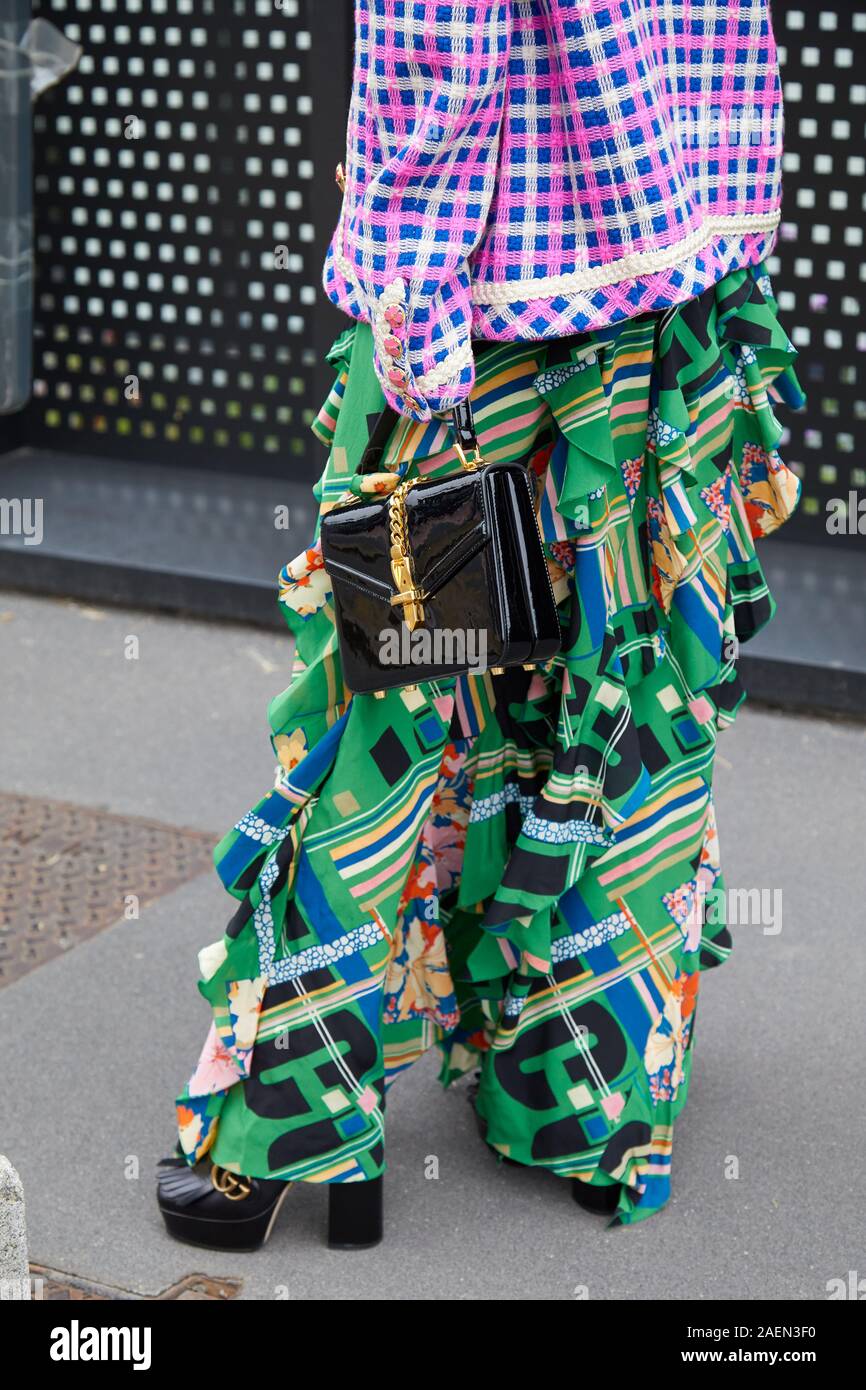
(95, 1044)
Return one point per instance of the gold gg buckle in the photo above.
(231, 1185)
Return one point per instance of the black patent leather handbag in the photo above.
(440, 577)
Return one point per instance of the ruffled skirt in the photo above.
(520, 869)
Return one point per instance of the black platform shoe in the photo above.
(211, 1207)
(603, 1201)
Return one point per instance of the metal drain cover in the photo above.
(68, 872)
(50, 1284)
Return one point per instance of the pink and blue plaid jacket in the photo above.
(523, 169)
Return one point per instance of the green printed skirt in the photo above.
(513, 868)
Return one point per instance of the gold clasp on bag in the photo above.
(407, 597)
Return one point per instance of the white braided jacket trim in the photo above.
(629, 267)
(571, 282)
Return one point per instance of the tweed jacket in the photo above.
(525, 169)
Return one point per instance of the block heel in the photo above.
(354, 1214)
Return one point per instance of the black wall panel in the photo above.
(155, 254)
(195, 137)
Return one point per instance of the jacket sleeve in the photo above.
(423, 140)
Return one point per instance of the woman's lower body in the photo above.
(520, 869)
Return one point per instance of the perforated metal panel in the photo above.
(819, 270)
(155, 254)
(168, 170)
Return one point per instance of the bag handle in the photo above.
(465, 438)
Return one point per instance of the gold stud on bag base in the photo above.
(494, 671)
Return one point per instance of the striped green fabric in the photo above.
(513, 867)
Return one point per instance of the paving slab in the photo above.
(178, 733)
(97, 1042)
